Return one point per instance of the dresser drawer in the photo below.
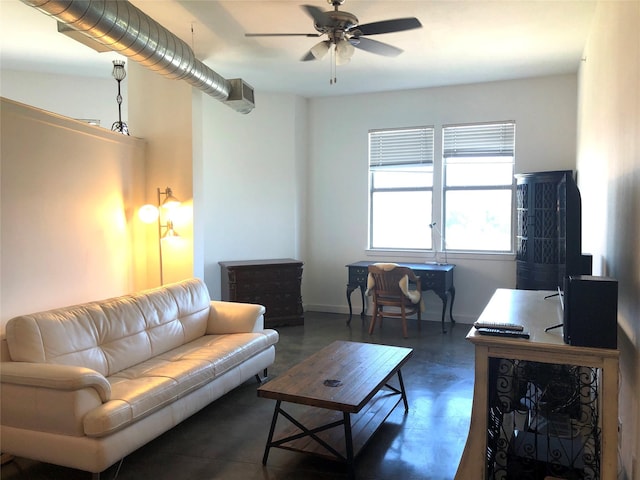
(265, 275)
(248, 288)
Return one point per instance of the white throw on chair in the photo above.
(389, 285)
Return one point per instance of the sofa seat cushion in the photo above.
(224, 351)
(144, 388)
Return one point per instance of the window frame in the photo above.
(425, 157)
(493, 144)
(439, 189)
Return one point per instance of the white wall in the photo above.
(609, 165)
(71, 96)
(545, 113)
(253, 169)
(289, 179)
(68, 201)
(160, 111)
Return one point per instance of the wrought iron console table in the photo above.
(540, 407)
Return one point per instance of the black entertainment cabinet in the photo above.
(549, 223)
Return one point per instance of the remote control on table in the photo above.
(502, 333)
(500, 325)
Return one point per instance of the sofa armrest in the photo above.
(55, 377)
(234, 317)
(49, 398)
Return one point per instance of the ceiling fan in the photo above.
(345, 34)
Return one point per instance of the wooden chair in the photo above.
(387, 293)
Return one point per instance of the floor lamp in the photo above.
(149, 213)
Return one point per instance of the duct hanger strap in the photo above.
(121, 27)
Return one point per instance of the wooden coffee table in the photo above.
(346, 387)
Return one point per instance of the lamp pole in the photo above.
(160, 240)
(119, 73)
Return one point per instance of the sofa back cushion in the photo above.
(114, 334)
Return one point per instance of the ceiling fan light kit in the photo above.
(345, 34)
(320, 49)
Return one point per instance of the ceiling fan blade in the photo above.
(319, 17)
(282, 34)
(390, 26)
(374, 46)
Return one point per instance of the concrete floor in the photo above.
(226, 439)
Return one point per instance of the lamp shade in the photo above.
(170, 232)
(344, 52)
(319, 50)
(118, 70)
(148, 213)
(170, 201)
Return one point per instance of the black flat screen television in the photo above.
(570, 259)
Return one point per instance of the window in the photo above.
(472, 184)
(478, 164)
(400, 188)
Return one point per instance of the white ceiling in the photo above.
(462, 41)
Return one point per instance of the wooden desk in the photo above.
(433, 276)
(529, 308)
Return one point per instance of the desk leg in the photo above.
(444, 298)
(350, 289)
(452, 291)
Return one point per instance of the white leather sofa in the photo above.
(88, 384)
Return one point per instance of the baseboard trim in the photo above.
(428, 315)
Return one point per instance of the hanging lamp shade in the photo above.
(344, 52)
(170, 232)
(119, 73)
(320, 49)
(170, 201)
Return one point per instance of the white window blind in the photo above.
(406, 146)
(479, 140)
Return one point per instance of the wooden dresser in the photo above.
(275, 283)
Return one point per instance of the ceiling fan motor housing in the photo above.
(341, 23)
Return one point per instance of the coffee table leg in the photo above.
(349, 444)
(276, 411)
(403, 391)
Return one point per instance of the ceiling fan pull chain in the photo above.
(330, 65)
(333, 78)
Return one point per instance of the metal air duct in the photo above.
(121, 27)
